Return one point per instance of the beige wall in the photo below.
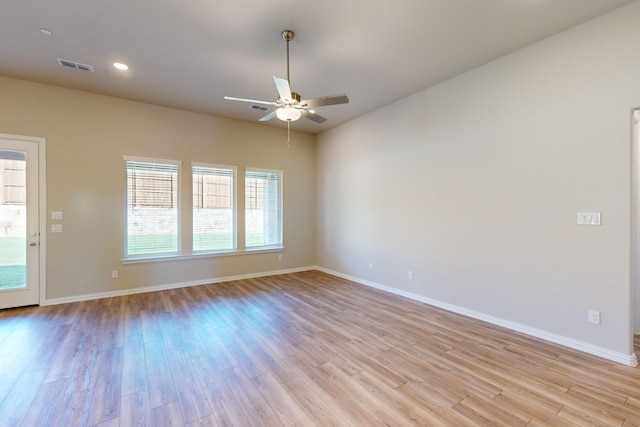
(474, 185)
(86, 137)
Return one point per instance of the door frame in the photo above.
(635, 223)
(42, 209)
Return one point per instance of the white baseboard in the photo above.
(625, 359)
(141, 290)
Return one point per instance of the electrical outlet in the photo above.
(410, 274)
(279, 257)
(370, 266)
(114, 274)
(594, 317)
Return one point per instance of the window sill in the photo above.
(202, 255)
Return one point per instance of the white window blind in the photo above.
(263, 208)
(152, 207)
(213, 207)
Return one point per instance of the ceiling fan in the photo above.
(290, 106)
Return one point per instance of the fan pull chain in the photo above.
(288, 134)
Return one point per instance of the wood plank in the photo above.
(134, 369)
(191, 397)
(475, 408)
(203, 422)
(46, 404)
(132, 318)
(379, 410)
(160, 383)
(105, 401)
(254, 406)
(224, 406)
(215, 346)
(84, 365)
(246, 359)
(168, 415)
(15, 406)
(284, 406)
(294, 349)
(74, 409)
(322, 406)
(416, 414)
(431, 400)
(135, 410)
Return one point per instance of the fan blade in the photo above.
(283, 89)
(312, 116)
(253, 101)
(325, 100)
(268, 117)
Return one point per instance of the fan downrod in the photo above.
(287, 35)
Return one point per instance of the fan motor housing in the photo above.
(295, 98)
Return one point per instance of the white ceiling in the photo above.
(189, 54)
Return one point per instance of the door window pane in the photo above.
(13, 219)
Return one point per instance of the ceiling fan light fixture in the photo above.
(289, 105)
(288, 114)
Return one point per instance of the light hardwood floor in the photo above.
(302, 349)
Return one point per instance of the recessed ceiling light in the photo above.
(46, 31)
(121, 66)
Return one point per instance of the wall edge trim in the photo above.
(605, 353)
(164, 287)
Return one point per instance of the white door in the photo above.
(19, 223)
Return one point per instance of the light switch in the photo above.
(56, 215)
(56, 228)
(588, 218)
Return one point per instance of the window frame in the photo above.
(178, 208)
(280, 201)
(184, 244)
(234, 209)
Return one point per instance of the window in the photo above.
(263, 208)
(213, 207)
(153, 217)
(152, 201)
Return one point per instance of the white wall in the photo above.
(474, 185)
(88, 135)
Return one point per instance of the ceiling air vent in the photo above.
(76, 65)
(260, 107)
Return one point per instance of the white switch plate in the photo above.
(588, 218)
(56, 215)
(56, 228)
